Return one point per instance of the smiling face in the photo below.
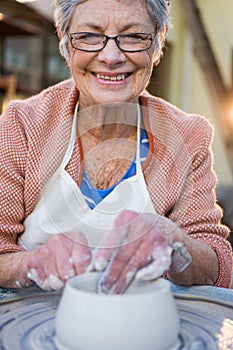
(110, 75)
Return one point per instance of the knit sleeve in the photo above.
(13, 156)
(196, 210)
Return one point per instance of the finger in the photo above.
(115, 238)
(162, 261)
(35, 269)
(181, 258)
(54, 263)
(156, 246)
(123, 267)
(48, 256)
(126, 263)
(81, 258)
(129, 226)
(53, 283)
(81, 254)
(46, 278)
(114, 270)
(33, 276)
(142, 257)
(61, 264)
(47, 267)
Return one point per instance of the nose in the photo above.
(111, 54)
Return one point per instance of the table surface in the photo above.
(205, 313)
(210, 292)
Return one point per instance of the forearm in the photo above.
(203, 269)
(13, 270)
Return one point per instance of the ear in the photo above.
(59, 34)
(156, 62)
(156, 59)
(60, 37)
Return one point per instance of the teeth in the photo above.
(111, 78)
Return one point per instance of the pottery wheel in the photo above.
(28, 323)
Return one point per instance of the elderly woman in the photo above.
(96, 174)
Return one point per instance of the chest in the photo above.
(107, 160)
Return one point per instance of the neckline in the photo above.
(70, 147)
(125, 176)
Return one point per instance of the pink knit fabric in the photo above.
(34, 135)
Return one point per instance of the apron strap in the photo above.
(70, 147)
(138, 156)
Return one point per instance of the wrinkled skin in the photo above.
(49, 266)
(64, 259)
(140, 245)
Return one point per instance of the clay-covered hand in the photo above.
(141, 246)
(57, 260)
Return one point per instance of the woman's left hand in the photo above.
(141, 246)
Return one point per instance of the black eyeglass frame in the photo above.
(106, 38)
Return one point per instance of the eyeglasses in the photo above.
(94, 42)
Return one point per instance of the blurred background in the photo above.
(196, 72)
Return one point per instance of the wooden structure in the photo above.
(8, 86)
(18, 19)
(211, 71)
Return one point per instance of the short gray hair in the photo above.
(64, 9)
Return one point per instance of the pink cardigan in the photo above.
(34, 135)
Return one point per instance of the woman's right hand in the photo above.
(52, 264)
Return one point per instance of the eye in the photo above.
(87, 38)
(135, 37)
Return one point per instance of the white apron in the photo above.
(62, 207)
